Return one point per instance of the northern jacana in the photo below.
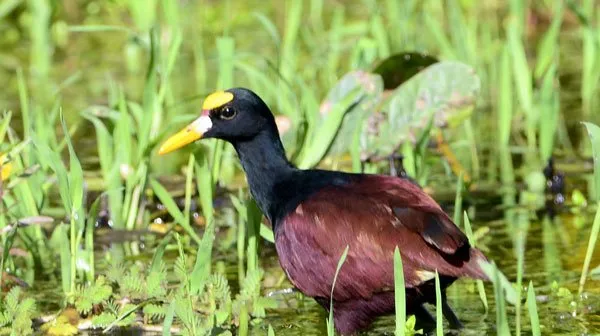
(315, 214)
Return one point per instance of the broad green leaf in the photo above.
(445, 92)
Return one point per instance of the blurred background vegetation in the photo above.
(106, 234)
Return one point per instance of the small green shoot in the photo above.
(330, 321)
(594, 133)
(439, 317)
(480, 287)
(533, 311)
(399, 294)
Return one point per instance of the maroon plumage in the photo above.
(372, 215)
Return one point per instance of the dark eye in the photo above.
(227, 113)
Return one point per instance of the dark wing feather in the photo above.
(372, 215)
(434, 227)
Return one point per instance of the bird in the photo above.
(315, 214)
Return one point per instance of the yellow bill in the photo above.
(191, 133)
(196, 130)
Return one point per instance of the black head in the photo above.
(240, 119)
(233, 115)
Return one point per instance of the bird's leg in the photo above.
(424, 319)
(396, 164)
(449, 314)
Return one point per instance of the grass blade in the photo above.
(501, 316)
(480, 287)
(439, 319)
(590, 250)
(594, 134)
(330, 322)
(166, 199)
(458, 200)
(399, 293)
(205, 188)
(202, 265)
(533, 311)
(168, 322)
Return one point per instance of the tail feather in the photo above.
(473, 268)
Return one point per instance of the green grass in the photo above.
(439, 318)
(472, 241)
(330, 321)
(533, 311)
(399, 294)
(594, 134)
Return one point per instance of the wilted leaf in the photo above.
(36, 220)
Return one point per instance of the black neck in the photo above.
(264, 161)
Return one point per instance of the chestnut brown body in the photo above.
(372, 215)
